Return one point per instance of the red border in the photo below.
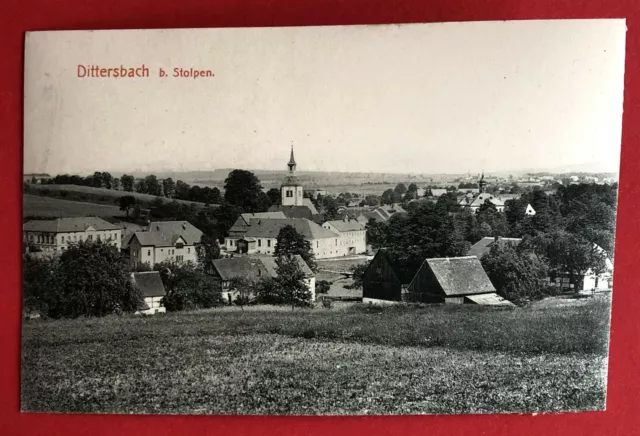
(17, 16)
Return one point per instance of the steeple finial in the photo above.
(292, 161)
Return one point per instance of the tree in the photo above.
(91, 279)
(357, 272)
(291, 281)
(188, 286)
(107, 180)
(268, 291)
(216, 197)
(127, 182)
(36, 276)
(289, 243)
(400, 189)
(243, 189)
(207, 251)
(153, 185)
(274, 196)
(169, 187)
(376, 233)
(115, 184)
(517, 276)
(182, 190)
(244, 289)
(126, 202)
(387, 197)
(141, 186)
(566, 253)
(322, 287)
(449, 201)
(97, 180)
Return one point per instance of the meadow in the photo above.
(352, 359)
(48, 207)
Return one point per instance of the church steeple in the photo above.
(482, 184)
(292, 161)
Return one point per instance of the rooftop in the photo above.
(64, 225)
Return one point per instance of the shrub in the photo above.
(322, 287)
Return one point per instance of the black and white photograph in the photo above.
(338, 220)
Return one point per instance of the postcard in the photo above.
(339, 220)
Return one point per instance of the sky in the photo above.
(419, 98)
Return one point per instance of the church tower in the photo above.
(291, 189)
(482, 184)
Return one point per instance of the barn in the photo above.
(453, 280)
(152, 289)
(387, 276)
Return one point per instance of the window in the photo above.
(148, 252)
(188, 250)
(90, 238)
(317, 244)
(62, 239)
(259, 242)
(75, 237)
(230, 242)
(268, 242)
(289, 193)
(179, 258)
(97, 238)
(179, 245)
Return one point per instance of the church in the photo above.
(256, 233)
(473, 202)
(293, 204)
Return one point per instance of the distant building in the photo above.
(529, 211)
(475, 201)
(152, 289)
(352, 234)
(483, 246)
(56, 236)
(253, 269)
(438, 192)
(455, 280)
(375, 214)
(164, 241)
(36, 178)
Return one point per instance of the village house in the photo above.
(455, 280)
(56, 236)
(474, 202)
(352, 233)
(164, 241)
(36, 178)
(150, 285)
(437, 192)
(262, 233)
(253, 269)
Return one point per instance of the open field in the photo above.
(37, 206)
(94, 195)
(353, 360)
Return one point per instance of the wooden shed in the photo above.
(453, 280)
(387, 276)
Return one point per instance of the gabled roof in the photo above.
(460, 275)
(403, 266)
(270, 227)
(376, 214)
(253, 268)
(478, 200)
(483, 246)
(149, 283)
(270, 265)
(190, 233)
(307, 202)
(248, 216)
(60, 225)
(293, 211)
(346, 226)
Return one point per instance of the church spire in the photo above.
(482, 184)
(292, 162)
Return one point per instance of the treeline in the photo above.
(561, 238)
(151, 185)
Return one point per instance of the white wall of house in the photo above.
(58, 242)
(149, 254)
(352, 242)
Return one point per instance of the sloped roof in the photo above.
(403, 265)
(149, 283)
(270, 227)
(479, 200)
(293, 211)
(346, 226)
(77, 224)
(270, 265)
(490, 300)
(171, 229)
(249, 268)
(483, 246)
(377, 215)
(460, 275)
(248, 216)
(307, 202)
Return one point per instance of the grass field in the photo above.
(37, 206)
(352, 360)
(94, 195)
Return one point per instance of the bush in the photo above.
(322, 287)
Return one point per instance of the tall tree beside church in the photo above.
(243, 189)
(274, 196)
(290, 243)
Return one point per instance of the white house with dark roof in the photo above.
(164, 241)
(261, 235)
(353, 235)
(150, 285)
(55, 236)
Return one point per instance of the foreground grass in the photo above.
(352, 361)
